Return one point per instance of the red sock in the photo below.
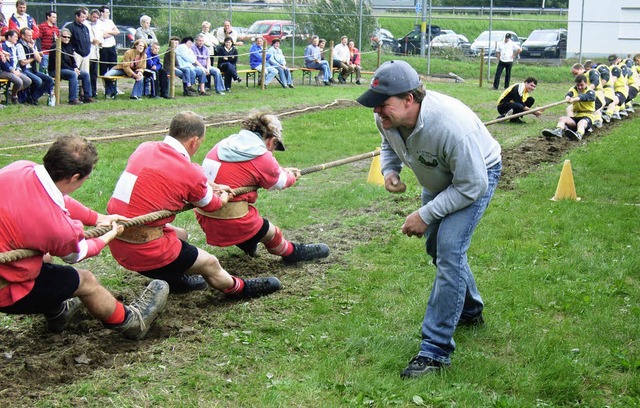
(238, 285)
(278, 245)
(118, 315)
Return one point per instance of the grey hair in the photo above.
(145, 18)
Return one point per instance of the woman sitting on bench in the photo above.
(133, 64)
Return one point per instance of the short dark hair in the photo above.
(103, 8)
(228, 39)
(186, 125)
(186, 39)
(531, 79)
(49, 13)
(275, 40)
(507, 35)
(10, 33)
(80, 11)
(580, 78)
(70, 155)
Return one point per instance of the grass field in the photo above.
(559, 279)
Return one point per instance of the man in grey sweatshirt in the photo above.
(457, 162)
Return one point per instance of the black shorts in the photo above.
(173, 271)
(579, 118)
(253, 242)
(621, 98)
(54, 285)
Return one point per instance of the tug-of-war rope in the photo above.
(18, 254)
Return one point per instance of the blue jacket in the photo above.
(153, 61)
(255, 56)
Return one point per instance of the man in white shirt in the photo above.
(108, 52)
(505, 53)
(341, 59)
(97, 38)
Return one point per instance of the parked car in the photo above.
(384, 38)
(270, 29)
(126, 37)
(551, 43)
(496, 36)
(450, 41)
(451, 32)
(410, 43)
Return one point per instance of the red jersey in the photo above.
(47, 36)
(158, 176)
(34, 214)
(241, 160)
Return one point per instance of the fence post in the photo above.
(264, 65)
(172, 72)
(481, 65)
(379, 54)
(57, 74)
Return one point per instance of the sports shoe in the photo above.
(616, 116)
(606, 118)
(471, 321)
(190, 88)
(517, 120)
(597, 123)
(188, 93)
(257, 287)
(58, 322)
(141, 313)
(75, 102)
(220, 93)
(570, 134)
(327, 83)
(623, 113)
(550, 134)
(135, 98)
(509, 112)
(357, 82)
(52, 100)
(89, 100)
(304, 252)
(119, 92)
(291, 86)
(188, 283)
(630, 109)
(420, 366)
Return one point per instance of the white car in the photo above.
(496, 36)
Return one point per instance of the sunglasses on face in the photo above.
(66, 36)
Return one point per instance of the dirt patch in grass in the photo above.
(34, 363)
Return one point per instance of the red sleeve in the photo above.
(36, 30)
(78, 211)
(94, 246)
(13, 25)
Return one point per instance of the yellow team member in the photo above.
(619, 80)
(610, 98)
(633, 81)
(593, 82)
(584, 106)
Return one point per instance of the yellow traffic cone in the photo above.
(375, 171)
(566, 189)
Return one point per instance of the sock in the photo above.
(238, 286)
(118, 315)
(278, 245)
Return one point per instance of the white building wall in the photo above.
(598, 29)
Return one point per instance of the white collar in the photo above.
(179, 147)
(50, 186)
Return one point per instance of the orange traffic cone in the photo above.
(375, 171)
(566, 189)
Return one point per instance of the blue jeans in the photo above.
(454, 293)
(216, 75)
(269, 73)
(323, 66)
(138, 86)
(40, 83)
(285, 75)
(72, 77)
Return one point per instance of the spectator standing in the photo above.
(20, 19)
(279, 62)
(97, 38)
(108, 51)
(341, 59)
(10, 69)
(506, 52)
(36, 200)
(313, 59)
(49, 32)
(28, 58)
(457, 162)
(227, 31)
(81, 42)
(204, 63)
(354, 61)
(3, 21)
(210, 40)
(255, 61)
(68, 69)
(227, 59)
(144, 32)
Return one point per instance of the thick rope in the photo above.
(527, 112)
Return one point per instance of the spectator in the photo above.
(354, 61)
(584, 106)
(246, 159)
(9, 67)
(505, 53)
(188, 64)
(517, 99)
(255, 61)
(156, 73)
(108, 52)
(204, 63)
(173, 45)
(20, 19)
(68, 69)
(227, 59)
(227, 31)
(81, 42)
(210, 40)
(279, 62)
(159, 250)
(49, 32)
(36, 199)
(97, 38)
(28, 57)
(313, 59)
(3, 21)
(341, 59)
(134, 62)
(144, 32)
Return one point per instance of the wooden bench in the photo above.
(4, 88)
(112, 78)
(306, 73)
(249, 73)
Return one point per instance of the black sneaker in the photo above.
(570, 134)
(257, 287)
(471, 321)
(144, 311)
(188, 283)
(58, 322)
(517, 120)
(420, 366)
(304, 252)
(552, 134)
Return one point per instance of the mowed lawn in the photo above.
(559, 279)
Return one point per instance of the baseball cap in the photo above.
(276, 125)
(612, 57)
(390, 79)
